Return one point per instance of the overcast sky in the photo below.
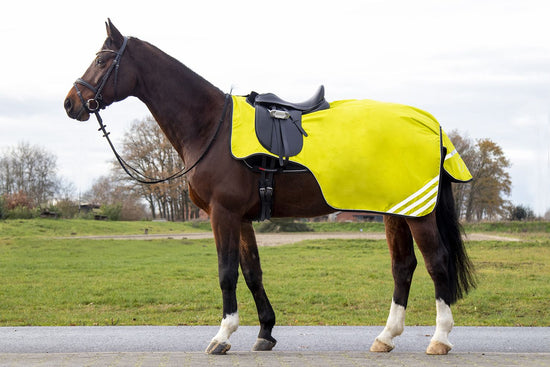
(481, 67)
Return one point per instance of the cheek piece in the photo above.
(95, 104)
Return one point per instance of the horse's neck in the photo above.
(181, 101)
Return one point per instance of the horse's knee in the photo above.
(228, 279)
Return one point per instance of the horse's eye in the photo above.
(99, 62)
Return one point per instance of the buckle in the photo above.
(278, 114)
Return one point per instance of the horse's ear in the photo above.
(114, 35)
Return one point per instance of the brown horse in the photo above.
(192, 114)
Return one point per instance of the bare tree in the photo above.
(146, 148)
(30, 170)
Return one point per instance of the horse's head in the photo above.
(105, 81)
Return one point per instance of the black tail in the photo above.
(460, 268)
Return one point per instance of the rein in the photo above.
(95, 104)
(144, 179)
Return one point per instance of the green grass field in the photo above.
(18, 228)
(49, 281)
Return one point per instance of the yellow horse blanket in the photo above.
(366, 155)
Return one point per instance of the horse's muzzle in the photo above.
(75, 109)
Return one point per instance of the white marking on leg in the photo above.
(444, 323)
(394, 326)
(229, 325)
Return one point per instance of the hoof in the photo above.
(380, 347)
(438, 348)
(217, 348)
(263, 345)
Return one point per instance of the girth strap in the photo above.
(266, 184)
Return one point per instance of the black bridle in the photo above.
(95, 104)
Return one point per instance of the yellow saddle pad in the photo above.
(366, 155)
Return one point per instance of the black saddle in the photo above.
(279, 123)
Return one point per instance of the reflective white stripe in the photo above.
(420, 202)
(428, 204)
(451, 154)
(414, 196)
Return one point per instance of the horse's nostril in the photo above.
(68, 105)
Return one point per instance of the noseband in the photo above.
(95, 104)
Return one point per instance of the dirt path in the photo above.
(276, 239)
(489, 237)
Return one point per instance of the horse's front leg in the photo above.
(252, 272)
(226, 229)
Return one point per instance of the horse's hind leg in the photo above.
(436, 257)
(252, 272)
(400, 243)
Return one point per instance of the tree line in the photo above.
(29, 183)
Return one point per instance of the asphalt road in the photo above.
(290, 339)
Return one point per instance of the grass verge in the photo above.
(18, 228)
(327, 282)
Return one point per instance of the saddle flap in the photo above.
(280, 136)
